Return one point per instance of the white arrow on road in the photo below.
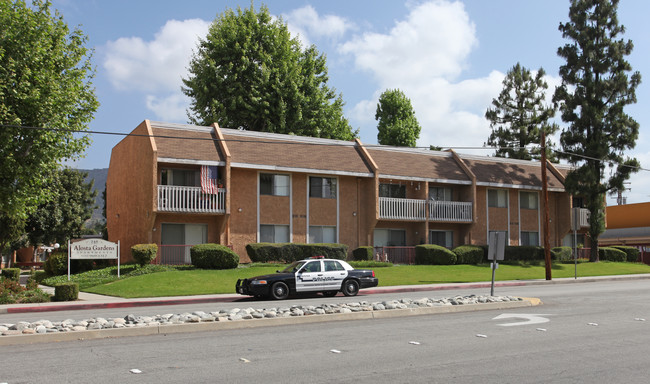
(530, 319)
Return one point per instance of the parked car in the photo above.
(315, 274)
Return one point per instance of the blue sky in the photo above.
(449, 58)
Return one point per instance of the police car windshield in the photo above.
(293, 267)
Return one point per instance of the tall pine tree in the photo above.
(518, 115)
(597, 83)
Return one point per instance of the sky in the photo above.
(448, 57)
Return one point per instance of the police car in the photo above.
(315, 274)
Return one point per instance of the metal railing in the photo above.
(174, 198)
(392, 208)
(453, 211)
(401, 209)
(395, 255)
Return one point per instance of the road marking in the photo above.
(530, 319)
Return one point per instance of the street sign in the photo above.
(496, 246)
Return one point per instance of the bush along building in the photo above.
(180, 185)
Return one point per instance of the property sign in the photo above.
(93, 249)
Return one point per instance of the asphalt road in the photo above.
(593, 333)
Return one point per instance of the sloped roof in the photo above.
(420, 164)
(186, 142)
(492, 171)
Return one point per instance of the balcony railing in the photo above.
(401, 209)
(452, 211)
(174, 198)
(413, 209)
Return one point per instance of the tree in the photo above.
(45, 94)
(63, 217)
(597, 83)
(249, 73)
(397, 125)
(518, 115)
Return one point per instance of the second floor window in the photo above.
(392, 190)
(440, 193)
(528, 200)
(323, 187)
(180, 177)
(274, 184)
(497, 198)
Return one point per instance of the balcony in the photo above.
(450, 211)
(391, 208)
(174, 198)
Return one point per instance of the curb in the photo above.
(257, 323)
(130, 303)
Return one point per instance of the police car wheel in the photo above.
(330, 293)
(279, 291)
(350, 287)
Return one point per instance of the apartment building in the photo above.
(178, 185)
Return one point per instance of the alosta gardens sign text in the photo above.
(93, 249)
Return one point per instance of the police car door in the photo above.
(333, 275)
(310, 277)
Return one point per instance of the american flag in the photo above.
(209, 179)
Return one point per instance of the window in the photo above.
(440, 193)
(312, 266)
(180, 177)
(392, 190)
(389, 237)
(274, 233)
(528, 200)
(275, 185)
(333, 265)
(530, 238)
(322, 234)
(323, 187)
(442, 238)
(497, 198)
(578, 202)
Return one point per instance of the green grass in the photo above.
(187, 281)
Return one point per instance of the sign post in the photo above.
(496, 252)
(94, 249)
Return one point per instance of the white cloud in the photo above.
(159, 64)
(171, 108)
(305, 22)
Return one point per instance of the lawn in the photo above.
(202, 282)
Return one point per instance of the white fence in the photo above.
(414, 209)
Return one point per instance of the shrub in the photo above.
(213, 256)
(363, 253)
(468, 254)
(562, 254)
(523, 253)
(611, 254)
(632, 253)
(11, 273)
(56, 264)
(66, 292)
(289, 252)
(431, 254)
(144, 254)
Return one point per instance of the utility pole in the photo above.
(547, 246)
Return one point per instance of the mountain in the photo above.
(99, 177)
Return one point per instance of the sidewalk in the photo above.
(93, 301)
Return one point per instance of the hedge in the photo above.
(468, 254)
(632, 253)
(213, 256)
(611, 254)
(363, 253)
(11, 273)
(68, 291)
(57, 264)
(523, 253)
(290, 252)
(430, 254)
(144, 254)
